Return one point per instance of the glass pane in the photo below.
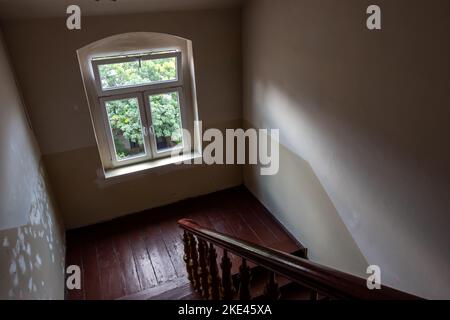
(132, 73)
(166, 117)
(126, 127)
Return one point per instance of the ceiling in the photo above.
(13, 9)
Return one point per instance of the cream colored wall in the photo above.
(31, 235)
(44, 54)
(365, 157)
(298, 200)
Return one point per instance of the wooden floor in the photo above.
(143, 251)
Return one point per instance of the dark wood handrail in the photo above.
(325, 280)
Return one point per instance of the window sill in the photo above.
(149, 166)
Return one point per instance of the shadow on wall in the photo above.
(369, 112)
(297, 199)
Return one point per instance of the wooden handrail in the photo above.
(324, 280)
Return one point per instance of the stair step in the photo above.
(294, 291)
(288, 290)
(164, 288)
(184, 292)
(181, 288)
(260, 277)
(259, 281)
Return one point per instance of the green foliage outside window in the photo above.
(137, 72)
(125, 121)
(166, 116)
(124, 115)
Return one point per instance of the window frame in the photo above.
(110, 138)
(142, 92)
(139, 43)
(154, 55)
(186, 147)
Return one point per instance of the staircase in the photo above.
(186, 291)
(140, 256)
(264, 274)
(271, 274)
(288, 290)
(183, 289)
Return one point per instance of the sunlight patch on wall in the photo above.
(32, 255)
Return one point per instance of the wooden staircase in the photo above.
(288, 290)
(140, 256)
(182, 288)
(272, 275)
(236, 251)
(264, 274)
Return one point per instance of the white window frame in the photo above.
(147, 45)
(112, 146)
(182, 102)
(142, 92)
(133, 57)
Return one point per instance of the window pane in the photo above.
(165, 110)
(132, 73)
(126, 127)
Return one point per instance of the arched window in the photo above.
(141, 93)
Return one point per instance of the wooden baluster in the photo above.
(313, 295)
(203, 268)
(193, 262)
(244, 284)
(187, 255)
(227, 281)
(213, 277)
(272, 291)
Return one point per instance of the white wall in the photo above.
(31, 237)
(54, 93)
(364, 132)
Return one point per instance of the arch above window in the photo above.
(141, 93)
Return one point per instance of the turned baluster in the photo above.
(193, 262)
(244, 284)
(313, 295)
(213, 277)
(227, 281)
(272, 291)
(187, 255)
(203, 268)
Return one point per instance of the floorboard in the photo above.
(144, 267)
(142, 254)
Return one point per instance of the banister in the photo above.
(325, 280)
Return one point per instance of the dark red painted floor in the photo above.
(142, 251)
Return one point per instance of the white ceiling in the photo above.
(11, 9)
